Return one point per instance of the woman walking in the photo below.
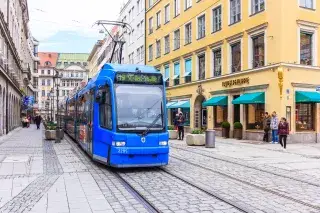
(283, 131)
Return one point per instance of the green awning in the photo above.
(307, 97)
(170, 103)
(250, 98)
(166, 78)
(180, 104)
(176, 76)
(187, 74)
(216, 101)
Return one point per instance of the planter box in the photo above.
(237, 133)
(173, 134)
(50, 134)
(195, 139)
(225, 133)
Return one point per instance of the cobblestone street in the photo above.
(40, 176)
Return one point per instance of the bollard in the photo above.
(210, 139)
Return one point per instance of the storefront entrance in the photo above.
(236, 110)
(200, 113)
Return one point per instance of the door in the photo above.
(90, 123)
(236, 110)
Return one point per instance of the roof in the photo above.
(73, 57)
(52, 57)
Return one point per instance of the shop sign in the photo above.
(235, 82)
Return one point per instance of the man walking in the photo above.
(181, 126)
(274, 127)
(266, 126)
(38, 119)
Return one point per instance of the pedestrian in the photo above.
(283, 131)
(181, 126)
(176, 122)
(37, 120)
(266, 126)
(274, 127)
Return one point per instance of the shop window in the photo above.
(174, 113)
(220, 115)
(255, 114)
(305, 116)
(186, 114)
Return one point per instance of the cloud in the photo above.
(76, 17)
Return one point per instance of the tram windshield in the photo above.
(139, 107)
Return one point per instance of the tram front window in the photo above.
(139, 107)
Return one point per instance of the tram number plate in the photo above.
(123, 151)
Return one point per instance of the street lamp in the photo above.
(57, 80)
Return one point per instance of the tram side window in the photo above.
(105, 118)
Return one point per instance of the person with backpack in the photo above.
(180, 122)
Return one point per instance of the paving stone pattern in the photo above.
(170, 194)
(287, 187)
(252, 197)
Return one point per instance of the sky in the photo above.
(65, 26)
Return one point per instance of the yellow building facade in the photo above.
(234, 60)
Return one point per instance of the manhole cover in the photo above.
(16, 159)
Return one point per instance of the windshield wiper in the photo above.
(151, 125)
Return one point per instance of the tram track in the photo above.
(244, 165)
(239, 207)
(83, 156)
(316, 207)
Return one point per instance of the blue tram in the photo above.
(119, 117)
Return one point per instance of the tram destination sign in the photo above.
(138, 78)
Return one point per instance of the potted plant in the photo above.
(237, 130)
(50, 132)
(173, 134)
(225, 129)
(196, 138)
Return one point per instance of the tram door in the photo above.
(90, 122)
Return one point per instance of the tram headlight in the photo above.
(163, 143)
(118, 143)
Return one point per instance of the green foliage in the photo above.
(170, 128)
(197, 131)
(51, 126)
(237, 125)
(225, 125)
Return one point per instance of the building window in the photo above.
(176, 39)
(105, 113)
(150, 2)
(235, 11)
(142, 53)
(68, 83)
(65, 63)
(217, 62)
(48, 72)
(42, 72)
(63, 92)
(255, 115)
(187, 4)
(202, 67)
(305, 116)
(43, 93)
(201, 27)
(307, 4)
(167, 13)
(258, 51)
(236, 57)
(150, 52)
(167, 74)
(43, 82)
(188, 70)
(306, 48)
(216, 19)
(158, 44)
(257, 6)
(188, 33)
(220, 115)
(63, 83)
(176, 74)
(150, 25)
(85, 63)
(167, 44)
(48, 82)
(176, 8)
(138, 54)
(158, 19)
